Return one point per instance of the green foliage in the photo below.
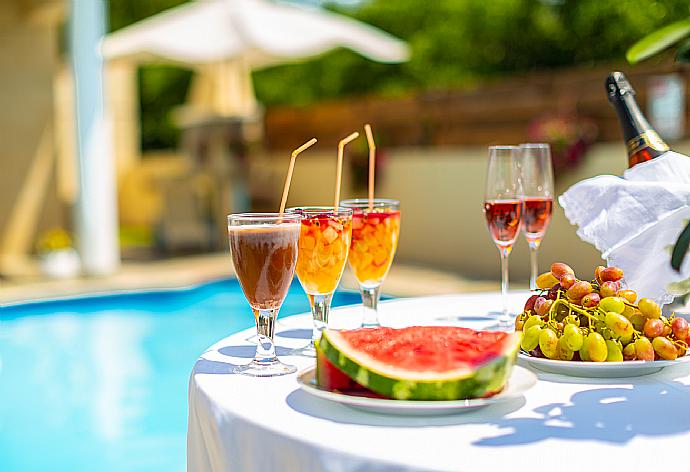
(658, 40)
(456, 43)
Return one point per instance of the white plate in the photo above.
(598, 369)
(519, 382)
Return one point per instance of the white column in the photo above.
(96, 206)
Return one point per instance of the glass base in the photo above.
(259, 369)
(306, 351)
(503, 323)
(375, 324)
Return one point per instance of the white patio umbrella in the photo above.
(224, 40)
(264, 32)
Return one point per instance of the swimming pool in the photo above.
(99, 383)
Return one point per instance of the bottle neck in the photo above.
(642, 141)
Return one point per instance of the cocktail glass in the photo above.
(323, 248)
(375, 232)
(264, 252)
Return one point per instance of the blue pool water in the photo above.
(100, 383)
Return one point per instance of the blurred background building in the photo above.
(196, 136)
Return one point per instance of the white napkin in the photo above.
(635, 220)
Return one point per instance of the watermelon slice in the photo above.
(417, 363)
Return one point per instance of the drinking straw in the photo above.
(288, 178)
(372, 163)
(339, 169)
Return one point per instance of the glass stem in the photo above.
(265, 328)
(504, 319)
(320, 308)
(370, 301)
(534, 265)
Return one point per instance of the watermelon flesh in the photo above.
(416, 363)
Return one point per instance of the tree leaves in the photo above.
(658, 41)
(680, 249)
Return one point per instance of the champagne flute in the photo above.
(502, 209)
(536, 176)
(264, 252)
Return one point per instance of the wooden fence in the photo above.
(499, 111)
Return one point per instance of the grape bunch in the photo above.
(597, 321)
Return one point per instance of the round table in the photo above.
(239, 423)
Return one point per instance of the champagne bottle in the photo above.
(643, 143)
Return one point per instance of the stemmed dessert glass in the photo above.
(375, 233)
(536, 176)
(502, 209)
(324, 244)
(264, 252)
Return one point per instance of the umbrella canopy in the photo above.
(262, 32)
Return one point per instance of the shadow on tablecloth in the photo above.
(307, 404)
(645, 406)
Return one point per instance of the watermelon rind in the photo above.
(403, 384)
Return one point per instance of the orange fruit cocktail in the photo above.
(324, 245)
(375, 233)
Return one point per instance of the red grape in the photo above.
(680, 328)
(559, 269)
(597, 273)
(590, 300)
(567, 281)
(611, 274)
(653, 328)
(579, 290)
(609, 289)
(542, 306)
(529, 305)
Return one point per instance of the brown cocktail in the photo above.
(264, 252)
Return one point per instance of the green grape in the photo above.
(614, 352)
(629, 295)
(626, 339)
(644, 349)
(533, 320)
(649, 308)
(572, 337)
(629, 352)
(618, 324)
(596, 347)
(548, 341)
(638, 320)
(563, 352)
(530, 338)
(572, 319)
(584, 350)
(664, 348)
(614, 304)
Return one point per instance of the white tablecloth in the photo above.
(239, 423)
